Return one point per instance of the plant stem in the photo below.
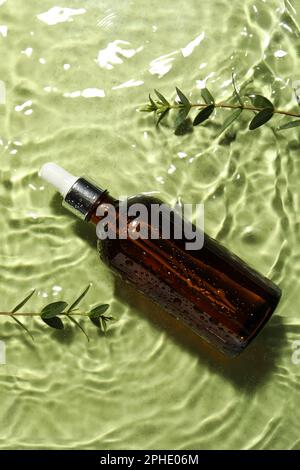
(236, 106)
(18, 314)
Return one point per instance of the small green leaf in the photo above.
(152, 102)
(162, 115)
(289, 125)
(230, 119)
(22, 326)
(54, 322)
(79, 299)
(236, 91)
(181, 116)
(103, 324)
(260, 101)
(73, 320)
(24, 301)
(96, 315)
(162, 98)
(203, 115)
(147, 109)
(150, 107)
(261, 118)
(53, 309)
(183, 99)
(96, 321)
(207, 96)
(98, 310)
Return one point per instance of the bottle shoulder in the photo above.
(144, 199)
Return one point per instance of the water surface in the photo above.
(74, 74)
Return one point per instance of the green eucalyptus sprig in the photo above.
(260, 105)
(52, 314)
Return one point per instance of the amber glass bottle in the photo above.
(211, 290)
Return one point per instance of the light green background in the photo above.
(148, 384)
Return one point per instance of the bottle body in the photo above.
(211, 290)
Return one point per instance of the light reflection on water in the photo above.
(148, 377)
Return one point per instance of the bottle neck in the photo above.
(83, 199)
(105, 201)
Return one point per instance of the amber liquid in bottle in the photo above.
(211, 290)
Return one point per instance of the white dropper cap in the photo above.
(61, 179)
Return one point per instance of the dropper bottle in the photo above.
(210, 290)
